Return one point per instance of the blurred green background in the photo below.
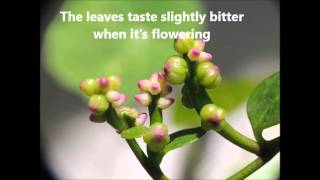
(246, 52)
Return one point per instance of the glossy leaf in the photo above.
(134, 132)
(263, 106)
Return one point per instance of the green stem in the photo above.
(238, 139)
(153, 170)
(271, 149)
(154, 112)
(200, 97)
(120, 124)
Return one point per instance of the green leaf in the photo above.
(70, 52)
(183, 137)
(263, 106)
(230, 94)
(134, 132)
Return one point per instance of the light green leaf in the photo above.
(70, 52)
(229, 95)
(134, 132)
(183, 137)
(263, 106)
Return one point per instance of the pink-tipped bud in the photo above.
(199, 44)
(204, 56)
(194, 54)
(164, 103)
(157, 77)
(103, 84)
(113, 96)
(116, 98)
(155, 88)
(144, 85)
(143, 98)
(122, 98)
(141, 119)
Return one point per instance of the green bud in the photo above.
(98, 104)
(89, 87)
(183, 44)
(212, 117)
(176, 70)
(157, 137)
(208, 75)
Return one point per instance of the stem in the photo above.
(239, 139)
(200, 97)
(153, 170)
(272, 148)
(154, 112)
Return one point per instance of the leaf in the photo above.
(184, 137)
(134, 132)
(71, 54)
(263, 106)
(230, 94)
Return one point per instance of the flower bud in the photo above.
(154, 88)
(103, 84)
(143, 98)
(114, 82)
(116, 98)
(131, 112)
(212, 117)
(164, 86)
(89, 87)
(183, 44)
(141, 119)
(144, 85)
(157, 137)
(199, 44)
(198, 56)
(164, 103)
(176, 70)
(98, 104)
(208, 75)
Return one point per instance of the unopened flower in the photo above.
(212, 116)
(176, 70)
(199, 56)
(103, 84)
(208, 75)
(131, 112)
(98, 104)
(116, 98)
(141, 119)
(164, 103)
(183, 44)
(154, 88)
(115, 82)
(143, 98)
(199, 44)
(157, 137)
(89, 87)
(144, 85)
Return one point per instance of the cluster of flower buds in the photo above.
(138, 118)
(212, 117)
(157, 137)
(102, 93)
(156, 85)
(176, 69)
